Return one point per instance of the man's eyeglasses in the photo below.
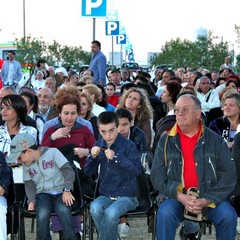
(184, 110)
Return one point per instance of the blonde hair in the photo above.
(188, 89)
(92, 90)
(143, 113)
(90, 103)
(226, 92)
(84, 78)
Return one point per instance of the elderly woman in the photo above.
(39, 83)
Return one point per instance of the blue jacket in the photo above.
(117, 176)
(215, 170)
(222, 126)
(98, 66)
(17, 72)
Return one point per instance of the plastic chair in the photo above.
(77, 208)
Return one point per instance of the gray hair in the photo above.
(195, 99)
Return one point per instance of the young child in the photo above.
(49, 180)
(5, 178)
(119, 163)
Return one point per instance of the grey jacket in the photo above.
(215, 169)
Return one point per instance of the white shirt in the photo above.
(38, 84)
(96, 109)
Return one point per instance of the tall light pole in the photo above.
(24, 26)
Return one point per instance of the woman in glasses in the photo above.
(14, 115)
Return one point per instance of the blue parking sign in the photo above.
(94, 8)
(112, 28)
(122, 39)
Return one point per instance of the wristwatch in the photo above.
(67, 190)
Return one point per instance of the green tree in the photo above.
(205, 51)
(30, 50)
(237, 31)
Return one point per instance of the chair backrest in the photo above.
(77, 189)
(11, 196)
(143, 193)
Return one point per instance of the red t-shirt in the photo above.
(114, 100)
(188, 144)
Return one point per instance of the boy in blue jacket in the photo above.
(119, 163)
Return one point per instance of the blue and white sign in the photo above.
(94, 8)
(112, 15)
(121, 39)
(130, 55)
(112, 28)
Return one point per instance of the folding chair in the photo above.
(146, 208)
(77, 208)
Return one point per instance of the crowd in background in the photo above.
(61, 102)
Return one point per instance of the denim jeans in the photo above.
(106, 213)
(47, 203)
(170, 214)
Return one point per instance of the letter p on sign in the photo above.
(94, 8)
(112, 28)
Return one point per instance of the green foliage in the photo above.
(208, 52)
(30, 50)
(237, 31)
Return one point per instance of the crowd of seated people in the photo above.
(62, 109)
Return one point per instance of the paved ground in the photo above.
(139, 232)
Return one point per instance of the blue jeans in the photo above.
(47, 203)
(106, 213)
(170, 214)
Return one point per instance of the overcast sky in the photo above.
(149, 24)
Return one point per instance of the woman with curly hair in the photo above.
(136, 101)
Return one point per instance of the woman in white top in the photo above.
(14, 112)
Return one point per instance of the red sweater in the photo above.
(80, 136)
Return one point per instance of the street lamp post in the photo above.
(24, 26)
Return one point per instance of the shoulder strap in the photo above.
(165, 150)
(209, 95)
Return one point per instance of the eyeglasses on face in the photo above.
(184, 110)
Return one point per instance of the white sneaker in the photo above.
(124, 230)
(238, 225)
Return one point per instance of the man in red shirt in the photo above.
(193, 156)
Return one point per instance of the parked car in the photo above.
(132, 66)
(163, 66)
